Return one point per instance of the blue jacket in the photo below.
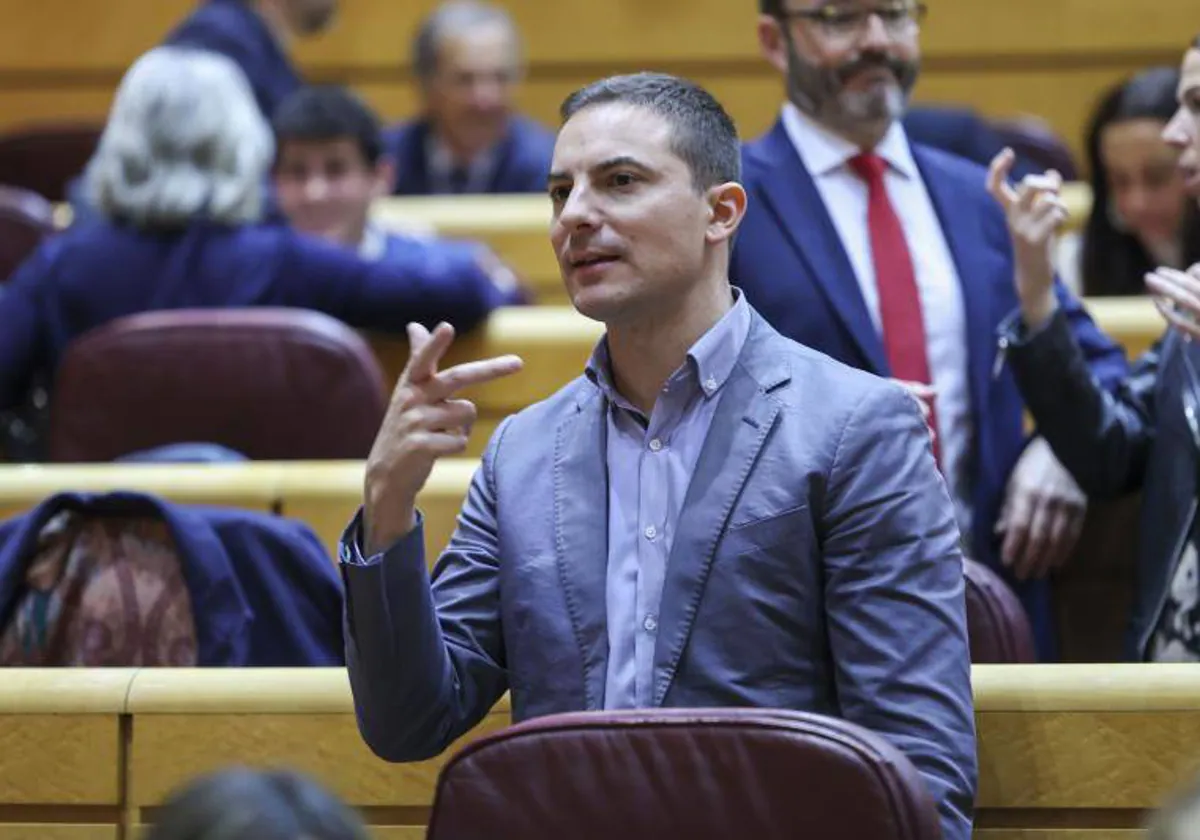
(234, 29)
(790, 262)
(961, 132)
(523, 159)
(97, 272)
(263, 590)
(815, 566)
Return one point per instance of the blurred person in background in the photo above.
(467, 59)
(244, 804)
(329, 170)
(1144, 436)
(257, 35)
(1141, 215)
(177, 180)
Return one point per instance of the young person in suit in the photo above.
(711, 515)
(256, 35)
(892, 258)
(330, 169)
(1145, 436)
(468, 139)
(177, 183)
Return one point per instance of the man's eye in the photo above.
(622, 179)
(559, 194)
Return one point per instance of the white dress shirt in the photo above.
(826, 156)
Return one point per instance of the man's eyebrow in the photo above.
(557, 176)
(620, 160)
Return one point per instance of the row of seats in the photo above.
(185, 359)
(1064, 752)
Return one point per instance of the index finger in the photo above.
(424, 356)
(476, 373)
(997, 178)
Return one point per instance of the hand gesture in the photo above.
(1042, 516)
(424, 422)
(1034, 211)
(1177, 297)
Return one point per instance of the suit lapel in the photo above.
(740, 425)
(581, 536)
(792, 195)
(969, 249)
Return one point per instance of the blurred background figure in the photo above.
(1141, 216)
(467, 58)
(243, 804)
(177, 180)
(1179, 817)
(257, 35)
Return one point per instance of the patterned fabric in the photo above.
(102, 591)
(1177, 638)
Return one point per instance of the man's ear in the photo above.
(727, 208)
(772, 42)
(385, 177)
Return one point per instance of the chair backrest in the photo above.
(46, 157)
(26, 218)
(1033, 139)
(699, 774)
(271, 384)
(997, 625)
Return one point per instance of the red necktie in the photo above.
(899, 299)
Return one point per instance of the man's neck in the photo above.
(644, 353)
(864, 135)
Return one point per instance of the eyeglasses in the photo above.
(846, 23)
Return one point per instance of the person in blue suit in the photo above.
(962, 132)
(468, 139)
(256, 35)
(709, 515)
(892, 257)
(330, 169)
(178, 179)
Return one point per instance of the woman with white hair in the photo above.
(178, 182)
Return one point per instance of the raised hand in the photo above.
(424, 421)
(1177, 297)
(1034, 211)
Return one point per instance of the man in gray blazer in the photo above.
(712, 515)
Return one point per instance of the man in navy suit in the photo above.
(255, 34)
(467, 61)
(893, 258)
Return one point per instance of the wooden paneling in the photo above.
(49, 831)
(1044, 56)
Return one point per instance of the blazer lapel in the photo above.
(791, 194)
(743, 418)
(581, 536)
(969, 249)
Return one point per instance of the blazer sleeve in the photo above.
(427, 286)
(895, 604)
(426, 660)
(1104, 357)
(1102, 435)
(22, 324)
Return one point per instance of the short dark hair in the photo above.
(327, 112)
(704, 135)
(244, 804)
(774, 8)
(455, 15)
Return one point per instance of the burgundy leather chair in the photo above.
(269, 383)
(691, 774)
(996, 622)
(26, 218)
(46, 157)
(1033, 139)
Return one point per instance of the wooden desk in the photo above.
(1074, 752)
(516, 227)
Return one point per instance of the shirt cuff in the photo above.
(350, 549)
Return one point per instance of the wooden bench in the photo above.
(62, 743)
(1065, 752)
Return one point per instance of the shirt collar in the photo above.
(824, 152)
(374, 243)
(709, 363)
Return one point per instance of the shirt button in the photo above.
(655, 445)
(651, 532)
(650, 624)
(710, 384)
